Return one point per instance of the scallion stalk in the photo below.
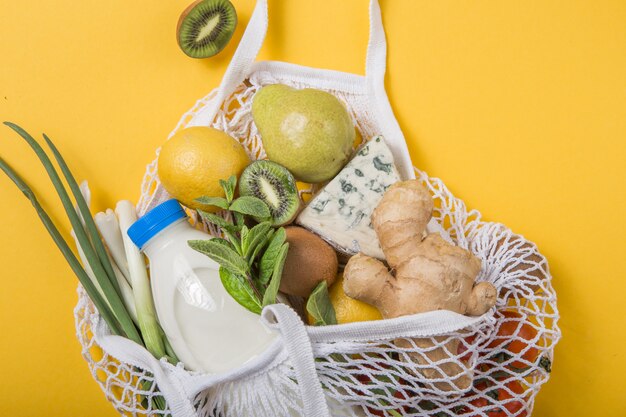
(109, 228)
(146, 315)
(127, 291)
(99, 275)
(90, 225)
(127, 294)
(88, 270)
(98, 262)
(99, 301)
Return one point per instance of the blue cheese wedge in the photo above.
(340, 212)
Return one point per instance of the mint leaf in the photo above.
(320, 307)
(243, 233)
(254, 237)
(239, 289)
(229, 187)
(222, 254)
(213, 201)
(260, 247)
(222, 242)
(266, 266)
(240, 220)
(251, 206)
(272, 289)
(217, 220)
(234, 240)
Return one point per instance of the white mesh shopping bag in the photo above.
(381, 368)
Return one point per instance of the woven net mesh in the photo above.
(495, 366)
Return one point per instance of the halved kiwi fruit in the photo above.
(205, 27)
(273, 184)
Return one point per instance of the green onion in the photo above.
(78, 196)
(109, 229)
(98, 262)
(148, 324)
(112, 230)
(88, 270)
(92, 291)
(105, 284)
(127, 293)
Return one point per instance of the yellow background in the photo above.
(519, 106)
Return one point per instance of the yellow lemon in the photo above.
(195, 159)
(348, 310)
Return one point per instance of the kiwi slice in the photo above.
(275, 185)
(205, 27)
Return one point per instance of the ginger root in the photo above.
(430, 274)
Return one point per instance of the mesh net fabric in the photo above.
(398, 375)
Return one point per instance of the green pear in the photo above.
(307, 131)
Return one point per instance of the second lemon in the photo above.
(348, 310)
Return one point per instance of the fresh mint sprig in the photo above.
(320, 307)
(251, 259)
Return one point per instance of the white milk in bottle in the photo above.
(208, 330)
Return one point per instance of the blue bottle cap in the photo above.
(154, 221)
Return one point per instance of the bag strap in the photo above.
(168, 379)
(245, 55)
(284, 319)
(252, 41)
(428, 324)
(375, 67)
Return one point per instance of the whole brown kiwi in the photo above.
(310, 260)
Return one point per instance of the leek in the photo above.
(146, 315)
